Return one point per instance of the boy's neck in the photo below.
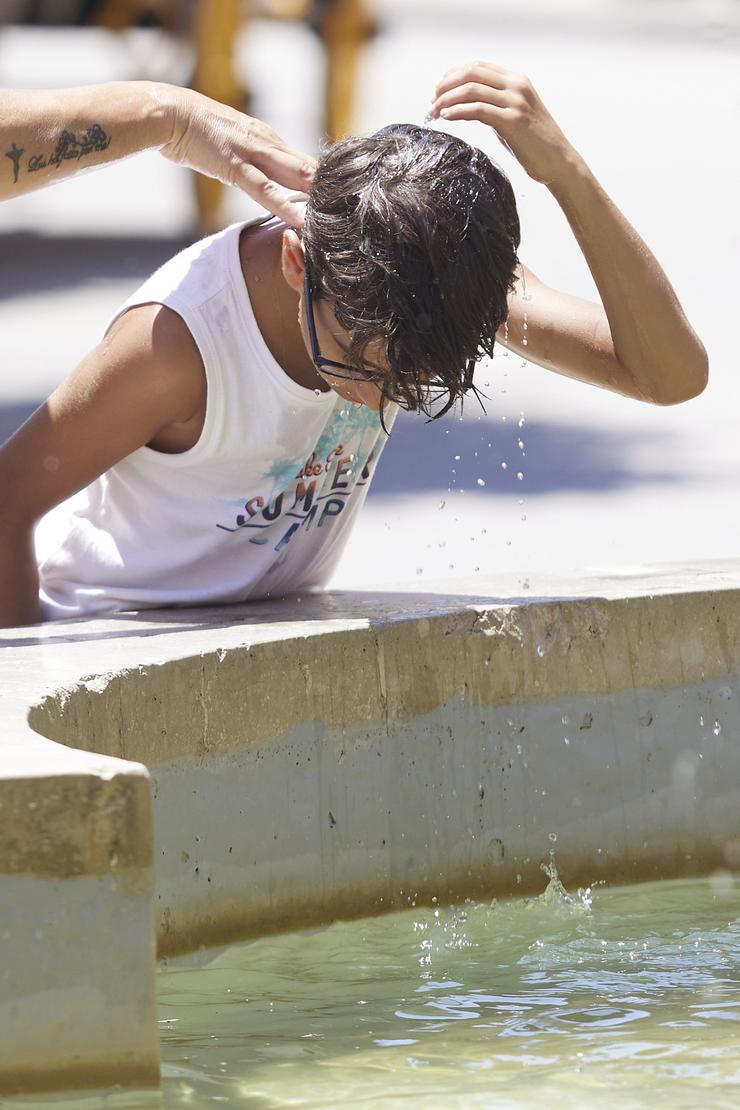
(275, 304)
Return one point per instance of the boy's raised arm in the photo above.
(638, 342)
(146, 375)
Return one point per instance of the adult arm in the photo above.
(144, 378)
(638, 341)
(50, 135)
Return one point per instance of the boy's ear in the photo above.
(292, 259)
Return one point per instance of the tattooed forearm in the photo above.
(68, 147)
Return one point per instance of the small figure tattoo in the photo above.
(15, 156)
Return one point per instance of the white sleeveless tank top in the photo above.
(261, 506)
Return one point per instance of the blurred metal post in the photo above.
(344, 27)
(214, 35)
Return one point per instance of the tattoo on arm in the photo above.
(15, 156)
(68, 147)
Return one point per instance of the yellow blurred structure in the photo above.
(344, 26)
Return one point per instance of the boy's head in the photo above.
(411, 236)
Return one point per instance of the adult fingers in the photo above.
(270, 195)
(283, 164)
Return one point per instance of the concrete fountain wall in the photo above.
(187, 778)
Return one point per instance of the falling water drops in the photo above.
(481, 481)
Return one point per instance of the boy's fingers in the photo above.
(483, 113)
(485, 72)
(471, 92)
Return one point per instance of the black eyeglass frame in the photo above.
(320, 361)
(333, 368)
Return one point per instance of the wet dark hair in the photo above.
(412, 234)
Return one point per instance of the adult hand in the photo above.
(506, 102)
(241, 151)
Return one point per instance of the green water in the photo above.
(619, 997)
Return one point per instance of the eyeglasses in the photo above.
(353, 373)
(334, 369)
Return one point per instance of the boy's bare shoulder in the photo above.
(144, 384)
(156, 339)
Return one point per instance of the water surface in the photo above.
(611, 997)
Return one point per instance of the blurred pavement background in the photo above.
(648, 90)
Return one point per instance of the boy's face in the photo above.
(333, 344)
(332, 340)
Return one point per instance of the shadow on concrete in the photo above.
(557, 458)
(310, 608)
(39, 263)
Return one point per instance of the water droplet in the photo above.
(540, 650)
(701, 720)
(318, 394)
(521, 421)
(520, 444)
(566, 739)
(457, 458)
(716, 728)
(519, 475)
(552, 837)
(419, 570)
(480, 481)
(564, 718)
(503, 466)
(525, 584)
(442, 504)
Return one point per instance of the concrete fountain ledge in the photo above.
(178, 779)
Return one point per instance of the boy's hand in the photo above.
(507, 102)
(235, 148)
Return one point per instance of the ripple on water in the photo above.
(574, 1000)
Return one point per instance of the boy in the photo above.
(223, 434)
